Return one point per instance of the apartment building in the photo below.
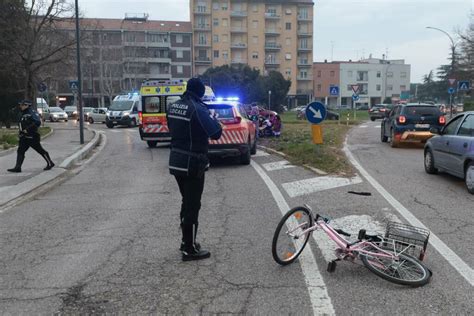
(377, 80)
(264, 34)
(118, 54)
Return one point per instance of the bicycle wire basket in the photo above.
(404, 235)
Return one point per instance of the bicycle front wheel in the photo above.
(290, 239)
(407, 270)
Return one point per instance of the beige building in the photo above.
(265, 34)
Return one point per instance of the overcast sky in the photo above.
(345, 29)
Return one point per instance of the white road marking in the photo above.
(456, 262)
(318, 294)
(362, 126)
(350, 224)
(317, 184)
(378, 126)
(278, 165)
(261, 153)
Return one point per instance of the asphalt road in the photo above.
(106, 240)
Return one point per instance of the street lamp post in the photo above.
(79, 77)
(269, 99)
(453, 56)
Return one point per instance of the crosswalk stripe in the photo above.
(317, 184)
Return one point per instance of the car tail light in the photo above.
(442, 120)
(402, 119)
(382, 110)
(235, 120)
(140, 118)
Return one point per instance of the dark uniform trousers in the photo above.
(33, 141)
(191, 189)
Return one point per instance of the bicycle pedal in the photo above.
(332, 266)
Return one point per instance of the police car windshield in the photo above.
(121, 105)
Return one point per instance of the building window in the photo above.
(303, 13)
(363, 88)
(319, 73)
(224, 6)
(179, 54)
(389, 74)
(255, 7)
(403, 88)
(303, 74)
(379, 74)
(319, 87)
(288, 72)
(179, 38)
(202, 39)
(288, 25)
(216, 54)
(130, 37)
(255, 55)
(332, 73)
(225, 55)
(349, 87)
(179, 69)
(215, 22)
(389, 87)
(201, 7)
(303, 43)
(255, 24)
(224, 22)
(215, 5)
(362, 76)
(403, 75)
(378, 87)
(215, 38)
(349, 73)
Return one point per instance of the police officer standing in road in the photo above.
(191, 125)
(29, 136)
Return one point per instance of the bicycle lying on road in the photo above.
(389, 258)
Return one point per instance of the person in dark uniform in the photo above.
(191, 125)
(29, 136)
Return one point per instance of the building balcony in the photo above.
(157, 75)
(304, 33)
(147, 60)
(304, 18)
(202, 60)
(238, 29)
(307, 78)
(303, 63)
(272, 63)
(272, 31)
(238, 14)
(238, 45)
(304, 49)
(202, 12)
(272, 46)
(147, 44)
(202, 27)
(272, 16)
(202, 44)
(238, 61)
(304, 91)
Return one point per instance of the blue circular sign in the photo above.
(355, 97)
(316, 112)
(451, 90)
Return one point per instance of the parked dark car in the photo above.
(331, 115)
(452, 150)
(411, 123)
(378, 111)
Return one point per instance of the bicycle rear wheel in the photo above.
(407, 270)
(289, 239)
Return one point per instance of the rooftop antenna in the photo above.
(386, 52)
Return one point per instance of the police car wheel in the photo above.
(245, 158)
(253, 151)
(133, 123)
(151, 143)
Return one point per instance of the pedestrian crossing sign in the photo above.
(463, 85)
(334, 90)
(74, 85)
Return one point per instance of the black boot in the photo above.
(190, 252)
(197, 246)
(48, 161)
(19, 162)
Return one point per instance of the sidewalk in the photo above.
(64, 148)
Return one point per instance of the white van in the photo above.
(123, 110)
(41, 107)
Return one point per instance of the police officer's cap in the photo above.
(196, 86)
(25, 102)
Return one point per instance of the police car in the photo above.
(239, 135)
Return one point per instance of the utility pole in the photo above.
(453, 63)
(79, 77)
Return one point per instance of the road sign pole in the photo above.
(79, 76)
(317, 132)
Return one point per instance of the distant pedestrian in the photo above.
(276, 125)
(191, 125)
(29, 136)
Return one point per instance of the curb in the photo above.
(9, 194)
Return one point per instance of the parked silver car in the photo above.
(97, 115)
(452, 150)
(55, 114)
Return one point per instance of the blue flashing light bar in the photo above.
(219, 99)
